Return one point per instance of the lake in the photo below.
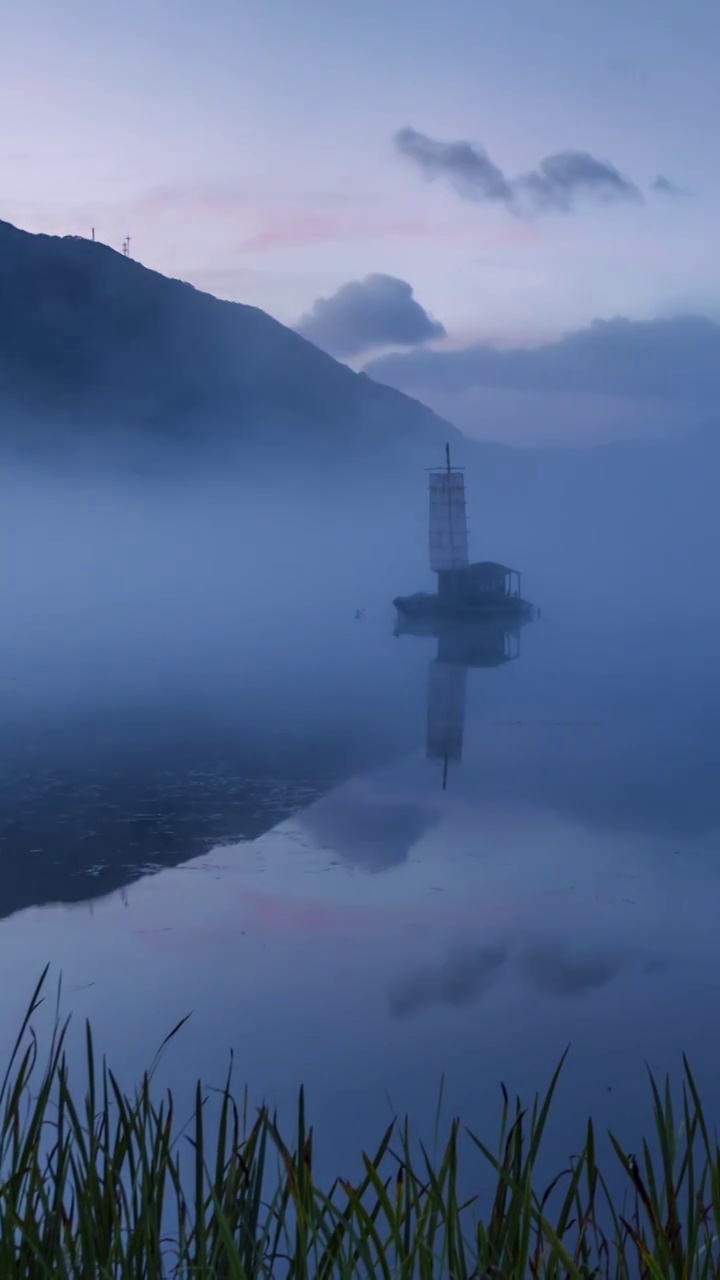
(366, 863)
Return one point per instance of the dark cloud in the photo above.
(672, 360)
(375, 836)
(562, 178)
(365, 315)
(468, 168)
(463, 978)
(555, 186)
(366, 828)
(460, 981)
(557, 971)
(666, 187)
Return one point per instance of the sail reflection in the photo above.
(459, 647)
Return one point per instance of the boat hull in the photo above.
(432, 607)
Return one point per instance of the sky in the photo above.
(417, 179)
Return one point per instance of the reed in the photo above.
(98, 1183)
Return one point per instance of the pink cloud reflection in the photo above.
(288, 917)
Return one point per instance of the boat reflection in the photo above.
(459, 647)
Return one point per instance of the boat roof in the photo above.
(490, 567)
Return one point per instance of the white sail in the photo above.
(445, 710)
(448, 521)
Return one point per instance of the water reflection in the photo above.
(374, 821)
(556, 970)
(549, 967)
(377, 932)
(459, 647)
(459, 981)
(370, 822)
(109, 792)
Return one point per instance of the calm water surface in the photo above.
(270, 846)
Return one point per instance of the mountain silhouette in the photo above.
(95, 342)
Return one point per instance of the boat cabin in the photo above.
(480, 583)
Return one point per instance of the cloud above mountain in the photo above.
(641, 375)
(677, 358)
(558, 183)
(366, 315)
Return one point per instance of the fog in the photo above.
(136, 579)
(185, 685)
(181, 636)
(118, 579)
(180, 652)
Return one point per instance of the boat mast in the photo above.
(448, 519)
(449, 498)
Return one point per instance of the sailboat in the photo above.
(465, 591)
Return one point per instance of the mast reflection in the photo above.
(459, 647)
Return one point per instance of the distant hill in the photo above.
(92, 341)
(102, 356)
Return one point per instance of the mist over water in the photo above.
(215, 793)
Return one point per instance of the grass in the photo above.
(115, 1185)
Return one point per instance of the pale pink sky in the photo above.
(250, 146)
(247, 147)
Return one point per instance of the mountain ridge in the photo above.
(90, 336)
